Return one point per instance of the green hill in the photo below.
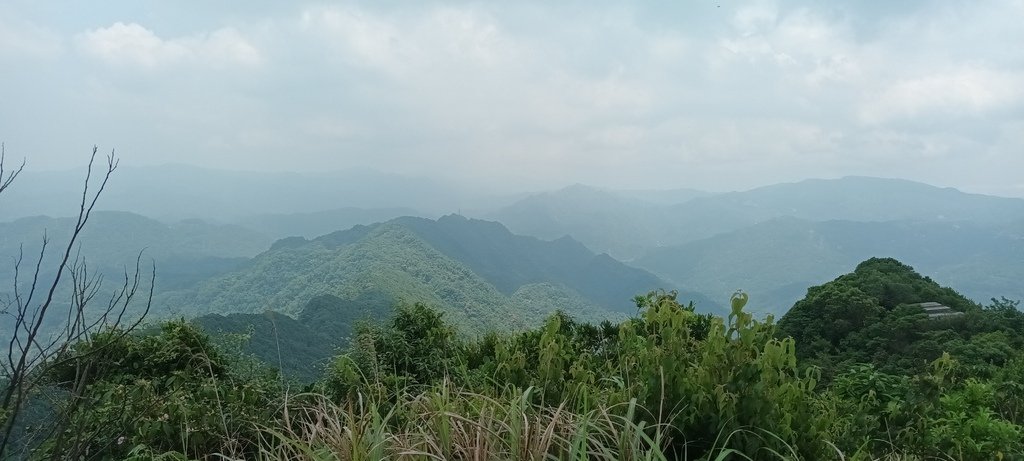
(873, 315)
(481, 274)
(510, 261)
(299, 346)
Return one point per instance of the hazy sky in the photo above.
(709, 94)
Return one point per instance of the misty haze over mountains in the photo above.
(754, 229)
(773, 241)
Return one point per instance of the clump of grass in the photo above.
(443, 423)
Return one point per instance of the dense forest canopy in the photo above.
(856, 369)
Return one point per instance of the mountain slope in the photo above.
(777, 260)
(604, 221)
(479, 272)
(874, 315)
(389, 259)
(510, 261)
(298, 346)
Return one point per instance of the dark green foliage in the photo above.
(699, 375)
(417, 347)
(276, 339)
(932, 387)
(454, 263)
(936, 414)
(871, 316)
(167, 391)
(300, 347)
(510, 261)
(857, 370)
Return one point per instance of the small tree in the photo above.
(34, 345)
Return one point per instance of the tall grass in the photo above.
(445, 423)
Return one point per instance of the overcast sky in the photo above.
(715, 95)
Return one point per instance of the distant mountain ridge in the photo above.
(184, 251)
(628, 227)
(605, 221)
(859, 198)
(778, 259)
(775, 241)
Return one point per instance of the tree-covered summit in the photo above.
(874, 315)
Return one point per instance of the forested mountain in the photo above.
(510, 261)
(777, 260)
(299, 346)
(873, 316)
(478, 271)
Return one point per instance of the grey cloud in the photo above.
(722, 95)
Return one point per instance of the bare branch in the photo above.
(34, 350)
(5, 181)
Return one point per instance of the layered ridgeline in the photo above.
(483, 276)
(623, 224)
(777, 260)
(777, 240)
(630, 225)
(184, 252)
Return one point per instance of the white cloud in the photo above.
(134, 45)
(764, 90)
(401, 46)
(965, 92)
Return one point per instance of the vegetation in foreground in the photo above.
(668, 383)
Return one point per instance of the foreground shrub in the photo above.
(168, 391)
(705, 382)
